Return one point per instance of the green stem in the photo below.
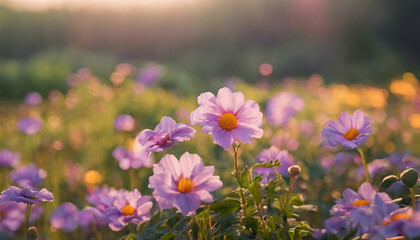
(28, 213)
(132, 177)
(362, 155)
(241, 192)
(413, 197)
(290, 186)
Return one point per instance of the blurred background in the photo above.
(202, 43)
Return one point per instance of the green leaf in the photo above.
(168, 236)
(245, 178)
(255, 190)
(227, 205)
(267, 165)
(204, 215)
(129, 237)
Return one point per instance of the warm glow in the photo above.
(92, 177)
(414, 120)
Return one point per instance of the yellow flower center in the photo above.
(361, 202)
(351, 134)
(228, 121)
(185, 185)
(127, 210)
(396, 217)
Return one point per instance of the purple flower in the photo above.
(282, 107)
(124, 122)
(11, 217)
(228, 117)
(33, 98)
(404, 160)
(64, 217)
(183, 184)
(29, 125)
(350, 131)
(135, 158)
(166, 133)
(9, 158)
(26, 195)
(270, 155)
(28, 176)
(377, 166)
(91, 215)
(401, 222)
(128, 207)
(149, 75)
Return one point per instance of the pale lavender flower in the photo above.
(133, 158)
(93, 216)
(401, 222)
(9, 158)
(124, 122)
(270, 155)
(26, 195)
(149, 75)
(28, 176)
(33, 98)
(29, 125)
(282, 107)
(377, 166)
(404, 160)
(165, 135)
(64, 218)
(350, 131)
(128, 207)
(337, 225)
(228, 117)
(183, 184)
(11, 217)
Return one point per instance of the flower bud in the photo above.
(294, 170)
(388, 180)
(409, 177)
(32, 233)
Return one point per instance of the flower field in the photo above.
(280, 159)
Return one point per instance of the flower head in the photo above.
(124, 122)
(64, 217)
(282, 107)
(33, 98)
(270, 155)
(29, 125)
(228, 117)
(29, 176)
(350, 131)
(183, 184)
(165, 135)
(128, 207)
(11, 217)
(133, 158)
(149, 75)
(26, 195)
(9, 158)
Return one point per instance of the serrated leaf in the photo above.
(245, 178)
(227, 205)
(267, 165)
(255, 190)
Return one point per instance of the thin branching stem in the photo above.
(362, 155)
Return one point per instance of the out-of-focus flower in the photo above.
(29, 125)
(337, 225)
(9, 158)
(405, 87)
(11, 217)
(165, 135)
(282, 107)
(33, 98)
(92, 177)
(26, 195)
(377, 166)
(404, 160)
(183, 184)
(414, 120)
(124, 122)
(228, 117)
(350, 131)
(266, 69)
(91, 215)
(64, 217)
(128, 207)
(270, 155)
(401, 222)
(133, 158)
(149, 75)
(28, 176)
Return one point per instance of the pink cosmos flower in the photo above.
(166, 133)
(183, 184)
(228, 117)
(133, 158)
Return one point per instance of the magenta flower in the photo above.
(8, 158)
(64, 217)
(124, 122)
(33, 98)
(350, 131)
(166, 133)
(183, 184)
(11, 217)
(128, 207)
(135, 158)
(29, 125)
(28, 176)
(26, 195)
(270, 155)
(228, 117)
(282, 107)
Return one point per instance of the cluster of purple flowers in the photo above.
(270, 155)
